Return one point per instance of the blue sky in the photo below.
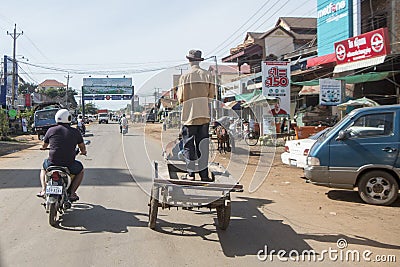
(125, 37)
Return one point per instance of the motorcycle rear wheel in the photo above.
(52, 214)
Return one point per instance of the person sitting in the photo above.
(63, 140)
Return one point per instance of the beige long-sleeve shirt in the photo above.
(196, 89)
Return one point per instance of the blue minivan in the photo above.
(361, 151)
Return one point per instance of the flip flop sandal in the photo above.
(41, 194)
(74, 198)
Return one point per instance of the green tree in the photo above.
(90, 108)
(4, 123)
(71, 99)
(27, 88)
(52, 92)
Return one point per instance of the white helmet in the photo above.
(63, 116)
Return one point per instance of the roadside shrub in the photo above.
(4, 123)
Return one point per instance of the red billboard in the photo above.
(368, 45)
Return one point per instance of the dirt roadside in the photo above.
(318, 215)
(21, 142)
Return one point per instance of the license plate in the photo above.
(293, 162)
(54, 189)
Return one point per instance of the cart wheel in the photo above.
(224, 216)
(153, 208)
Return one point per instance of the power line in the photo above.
(223, 48)
(250, 18)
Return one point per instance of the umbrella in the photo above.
(260, 99)
(365, 102)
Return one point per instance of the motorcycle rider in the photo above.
(81, 124)
(63, 140)
(123, 122)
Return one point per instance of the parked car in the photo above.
(361, 151)
(296, 151)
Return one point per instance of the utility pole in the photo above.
(156, 94)
(66, 90)
(217, 93)
(14, 35)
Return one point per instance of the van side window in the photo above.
(372, 125)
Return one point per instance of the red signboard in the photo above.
(368, 45)
(28, 100)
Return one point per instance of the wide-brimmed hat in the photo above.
(194, 55)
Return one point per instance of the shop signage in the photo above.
(330, 93)
(276, 83)
(107, 86)
(368, 45)
(107, 97)
(334, 23)
(6, 82)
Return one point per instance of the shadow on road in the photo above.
(23, 178)
(12, 147)
(357, 240)
(90, 218)
(250, 231)
(352, 196)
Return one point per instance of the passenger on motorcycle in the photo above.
(63, 140)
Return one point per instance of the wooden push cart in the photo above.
(170, 191)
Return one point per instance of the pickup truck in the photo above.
(43, 120)
(103, 118)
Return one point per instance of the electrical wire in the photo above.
(233, 34)
(237, 38)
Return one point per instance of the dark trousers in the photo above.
(196, 146)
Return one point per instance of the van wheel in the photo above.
(378, 188)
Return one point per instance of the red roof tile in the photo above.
(51, 83)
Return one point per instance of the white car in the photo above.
(296, 151)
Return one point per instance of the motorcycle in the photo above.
(124, 129)
(82, 129)
(58, 181)
(57, 195)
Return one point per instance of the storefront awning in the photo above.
(365, 102)
(309, 90)
(231, 105)
(315, 89)
(366, 77)
(359, 78)
(307, 83)
(359, 64)
(260, 99)
(247, 97)
(231, 92)
(317, 61)
(248, 51)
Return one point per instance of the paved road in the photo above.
(108, 226)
